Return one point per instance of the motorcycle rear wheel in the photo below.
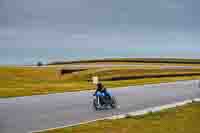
(113, 102)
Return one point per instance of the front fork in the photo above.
(98, 101)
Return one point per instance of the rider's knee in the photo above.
(99, 94)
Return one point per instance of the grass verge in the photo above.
(134, 60)
(183, 119)
(26, 81)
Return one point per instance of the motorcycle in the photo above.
(101, 101)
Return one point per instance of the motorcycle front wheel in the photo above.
(96, 104)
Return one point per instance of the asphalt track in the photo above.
(25, 114)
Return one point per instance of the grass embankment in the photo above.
(183, 119)
(132, 60)
(25, 81)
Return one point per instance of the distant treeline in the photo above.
(136, 60)
(67, 71)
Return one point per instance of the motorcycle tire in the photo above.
(95, 105)
(113, 102)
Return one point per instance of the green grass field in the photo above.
(26, 81)
(132, 60)
(183, 119)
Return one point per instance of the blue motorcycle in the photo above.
(104, 101)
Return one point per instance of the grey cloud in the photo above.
(95, 12)
(105, 24)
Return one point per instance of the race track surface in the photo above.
(25, 114)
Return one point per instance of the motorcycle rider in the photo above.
(105, 95)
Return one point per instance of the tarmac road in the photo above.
(25, 114)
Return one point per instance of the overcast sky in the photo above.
(171, 25)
